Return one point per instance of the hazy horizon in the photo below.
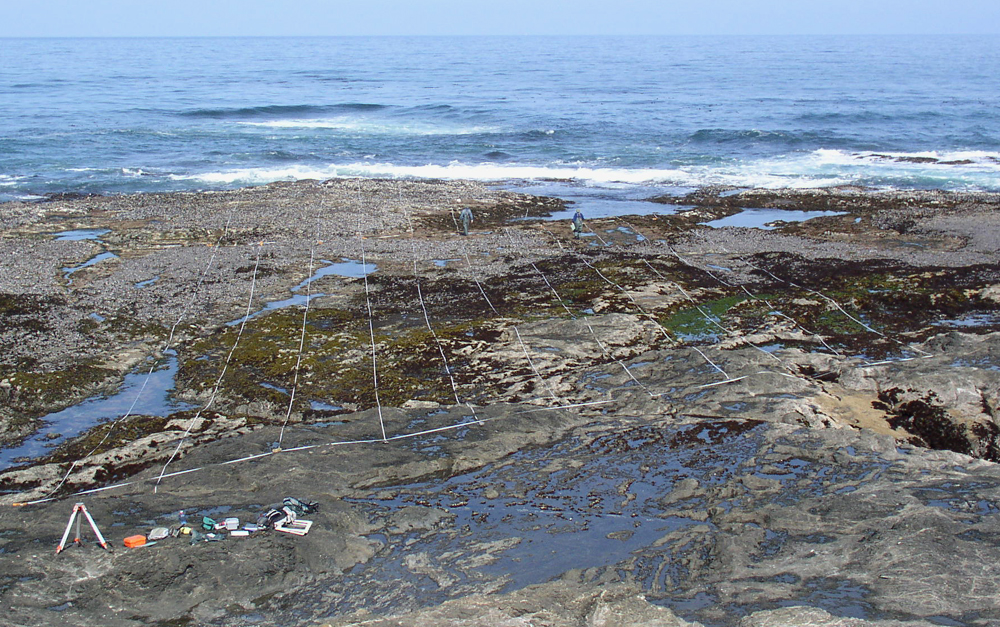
(306, 18)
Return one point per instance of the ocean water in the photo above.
(631, 116)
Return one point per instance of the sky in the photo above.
(180, 18)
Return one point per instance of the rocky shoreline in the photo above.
(658, 423)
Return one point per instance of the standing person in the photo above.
(465, 218)
(577, 224)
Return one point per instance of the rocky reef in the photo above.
(661, 422)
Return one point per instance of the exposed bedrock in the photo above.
(695, 426)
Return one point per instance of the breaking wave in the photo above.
(279, 111)
(374, 127)
(355, 118)
(495, 111)
(820, 168)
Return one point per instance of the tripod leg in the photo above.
(78, 539)
(97, 532)
(69, 525)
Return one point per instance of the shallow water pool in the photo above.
(761, 218)
(150, 393)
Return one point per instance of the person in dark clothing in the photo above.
(465, 218)
(577, 224)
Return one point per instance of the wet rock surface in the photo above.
(794, 426)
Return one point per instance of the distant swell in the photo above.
(279, 111)
(870, 117)
(754, 137)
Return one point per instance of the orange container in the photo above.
(134, 541)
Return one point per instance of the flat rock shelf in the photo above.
(667, 421)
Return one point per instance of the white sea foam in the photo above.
(359, 127)
(252, 176)
(7, 197)
(824, 168)
(436, 103)
(968, 159)
(821, 168)
(455, 170)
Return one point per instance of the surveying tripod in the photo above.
(77, 509)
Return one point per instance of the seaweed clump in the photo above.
(930, 426)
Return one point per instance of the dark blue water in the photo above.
(622, 113)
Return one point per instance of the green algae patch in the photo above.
(267, 351)
(900, 302)
(701, 322)
(858, 304)
(336, 364)
(38, 393)
(411, 363)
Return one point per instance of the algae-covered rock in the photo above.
(699, 426)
